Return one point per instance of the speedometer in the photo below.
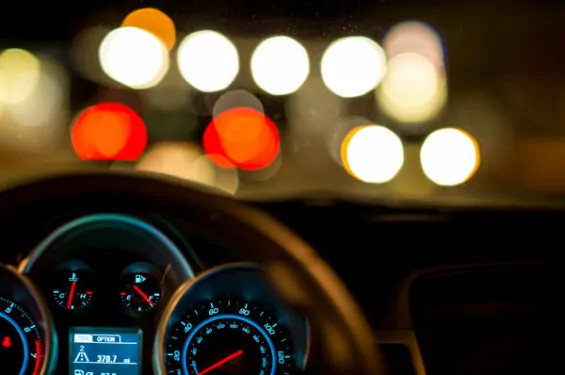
(21, 343)
(228, 336)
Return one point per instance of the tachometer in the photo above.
(228, 336)
(21, 342)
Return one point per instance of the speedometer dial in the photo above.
(21, 342)
(228, 336)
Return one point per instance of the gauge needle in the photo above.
(220, 363)
(136, 288)
(71, 294)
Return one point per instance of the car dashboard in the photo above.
(112, 286)
(104, 288)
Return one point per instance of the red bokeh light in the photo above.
(109, 131)
(242, 137)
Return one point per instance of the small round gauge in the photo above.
(141, 289)
(228, 336)
(74, 286)
(21, 343)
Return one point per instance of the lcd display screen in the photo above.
(112, 351)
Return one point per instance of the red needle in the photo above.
(71, 294)
(136, 288)
(220, 363)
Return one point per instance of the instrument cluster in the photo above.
(116, 296)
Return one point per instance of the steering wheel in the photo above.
(342, 342)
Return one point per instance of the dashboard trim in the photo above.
(28, 262)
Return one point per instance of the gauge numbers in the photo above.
(21, 343)
(228, 336)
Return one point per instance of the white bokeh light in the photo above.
(412, 90)
(353, 66)
(280, 65)
(208, 60)
(449, 156)
(373, 154)
(134, 57)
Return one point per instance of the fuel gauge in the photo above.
(140, 289)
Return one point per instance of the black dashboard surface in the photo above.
(376, 249)
(479, 288)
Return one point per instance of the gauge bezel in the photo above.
(74, 265)
(159, 365)
(226, 316)
(152, 271)
(99, 219)
(22, 291)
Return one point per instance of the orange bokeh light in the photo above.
(154, 21)
(109, 131)
(242, 137)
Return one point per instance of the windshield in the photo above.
(431, 101)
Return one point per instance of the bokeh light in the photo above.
(45, 105)
(372, 153)
(84, 55)
(237, 98)
(134, 57)
(19, 75)
(242, 137)
(180, 159)
(109, 131)
(187, 161)
(415, 37)
(208, 60)
(154, 21)
(450, 156)
(280, 65)
(353, 66)
(413, 90)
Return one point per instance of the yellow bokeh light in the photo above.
(353, 66)
(19, 75)
(450, 156)
(412, 90)
(44, 105)
(372, 153)
(208, 60)
(187, 161)
(179, 159)
(134, 57)
(155, 22)
(280, 65)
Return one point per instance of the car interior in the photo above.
(369, 187)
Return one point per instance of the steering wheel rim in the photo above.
(356, 351)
